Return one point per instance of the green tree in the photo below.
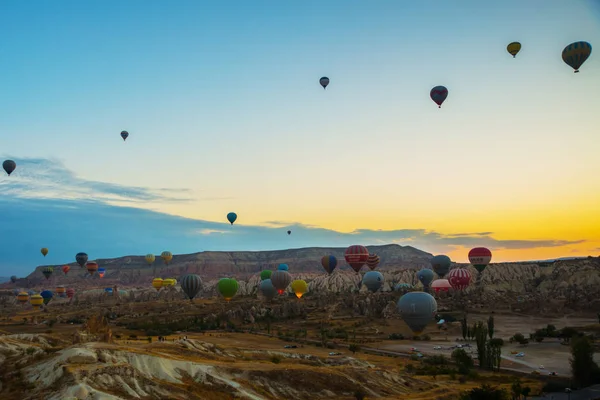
(490, 326)
(354, 348)
(516, 389)
(525, 392)
(583, 367)
(465, 327)
(463, 361)
(567, 333)
(485, 392)
(481, 340)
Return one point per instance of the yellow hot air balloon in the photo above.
(513, 48)
(157, 283)
(36, 300)
(299, 287)
(23, 297)
(44, 251)
(150, 258)
(166, 256)
(168, 282)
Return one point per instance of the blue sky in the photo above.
(225, 113)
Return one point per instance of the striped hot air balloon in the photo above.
(329, 263)
(23, 297)
(441, 285)
(92, 267)
(70, 293)
(191, 284)
(61, 291)
(356, 256)
(373, 261)
(459, 278)
(575, 54)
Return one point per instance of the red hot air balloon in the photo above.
(66, 269)
(373, 261)
(441, 285)
(480, 257)
(70, 293)
(459, 278)
(91, 267)
(356, 256)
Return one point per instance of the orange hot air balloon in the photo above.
(66, 269)
(91, 267)
(61, 291)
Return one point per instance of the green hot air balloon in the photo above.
(191, 285)
(417, 309)
(47, 272)
(441, 265)
(267, 289)
(265, 274)
(227, 287)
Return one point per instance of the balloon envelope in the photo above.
(459, 278)
(281, 280)
(157, 283)
(265, 274)
(191, 285)
(81, 259)
(283, 267)
(47, 271)
(231, 217)
(356, 256)
(267, 289)
(480, 257)
(44, 251)
(329, 263)
(425, 276)
(441, 265)
(441, 285)
(9, 166)
(324, 81)
(166, 256)
(91, 267)
(576, 53)
(227, 287)
(439, 94)
(373, 280)
(513, 48)
(13, 278)
(417, 309)
(124, 135)
(36, 300)
(373, 261)
(150, 258)
(47, 296)
(299, 287)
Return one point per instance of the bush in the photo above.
(30, 350)
(275, 359)
(396, 336)
(426, 337)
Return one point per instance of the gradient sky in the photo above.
(224, 110)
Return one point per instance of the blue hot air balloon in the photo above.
(267, 289)
(373, 280)
(425, 276)
(283, 267)
(231, 217)
(47, 296)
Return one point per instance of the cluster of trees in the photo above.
(488, 392)
(550, 331)
(488, 347)
(469, 332)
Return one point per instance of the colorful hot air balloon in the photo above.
(61, 291)
(70, 293)
(267, 289)
(91, 267)
(231, 217)
(150, 258)
(13, 278)
(459, 278)
(289, 232)
(441, 265)
(9, 166)
(373, 261)
(81, 259)
(157, 283)
(166, 256)
(227, 287)
(23, 297)
(329, 263)
(356, 256)
(480, 257)
(283, 267)
(441, 285)
(47, 271)
(191, 285)
(425, 276)
(265, 274)
(576, 53)
(417, 309)
(299, 287)
(324, 81)
(46, 296)
(101, 272)
(373, 280)
(44, 251)
(36, 300)
(124, 135)
(513, 48)
(66, 269)
(438, 94)
(281, 280)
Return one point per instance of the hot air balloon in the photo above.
(265, 274)
(61, 291)
(101, 272)
(425, 276)
(356, 256)
(166, 256)
(289, 232)
(480, 257)
(23, 297)
(227, 287)
(36, 300)
(157, 283)
(417, 309)
(283, 267)
(441, 285)
(231, 217)
(124, 135)
(47, 271)
(9, 166)
(81, 259)
(66, 269)
(91, 267)
(441, 265)
(513, 48)
(168, 282)
(403, 287)
(281, 280)
(459, 278)
(373, 280)
(46, 296)
(13, 278)
(324, 81)
(44, 251)
(299, 287)
(438, 94)
(150, 258)
(576, 53)
(70, 293)
(329, 263)
(191, 285)
(267, 289)
(373, 261)
(108, 290)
